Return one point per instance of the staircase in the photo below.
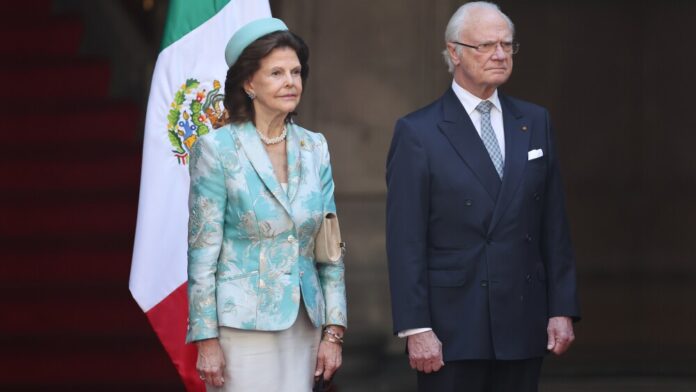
(70, 164)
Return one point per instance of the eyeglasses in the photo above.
(489, 47)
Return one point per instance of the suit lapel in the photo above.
(459, 130)
(294, 162)
(516, 146)
(254, 150)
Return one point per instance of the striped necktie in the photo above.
(488, 136)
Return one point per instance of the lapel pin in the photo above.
(524, 128)
(302, 143)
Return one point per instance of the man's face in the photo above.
(481, 73)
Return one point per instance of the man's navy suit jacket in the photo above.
(481, 261)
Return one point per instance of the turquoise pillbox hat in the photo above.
(249, 33)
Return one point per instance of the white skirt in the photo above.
(262, 361)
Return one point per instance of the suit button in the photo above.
(468, 202)
(489, 241)
(484, 283)
(262, 284)
(291, 239)
(537, 196)
(301, 274)
(528, 238)
(528, 277)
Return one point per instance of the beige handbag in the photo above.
(328, 247)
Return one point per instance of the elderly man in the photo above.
(481, 266)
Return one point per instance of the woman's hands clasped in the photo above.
(211, 362)
(329, 357)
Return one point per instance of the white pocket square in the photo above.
(534, 154)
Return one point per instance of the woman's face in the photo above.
(277, 84)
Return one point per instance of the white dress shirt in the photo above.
(470, 102)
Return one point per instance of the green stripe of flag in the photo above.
(186, 15)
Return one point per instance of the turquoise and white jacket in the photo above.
(251, 244)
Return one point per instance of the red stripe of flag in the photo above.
(169, 319)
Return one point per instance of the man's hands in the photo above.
(211, 362)
(425, 352)
(561, 336)
(425, 349)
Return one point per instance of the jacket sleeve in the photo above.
(408, 200)
(557, 250)
(331, 276)
(207, 199)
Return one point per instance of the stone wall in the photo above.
(617, 79)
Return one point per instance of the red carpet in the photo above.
(70, 159)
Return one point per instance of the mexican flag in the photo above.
(185, 103)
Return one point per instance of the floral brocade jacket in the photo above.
(251, 243)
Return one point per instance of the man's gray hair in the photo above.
(460, 19)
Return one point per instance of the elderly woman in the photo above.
(265, 315)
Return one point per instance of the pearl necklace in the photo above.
(273, 140)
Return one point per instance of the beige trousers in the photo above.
(279, 361)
